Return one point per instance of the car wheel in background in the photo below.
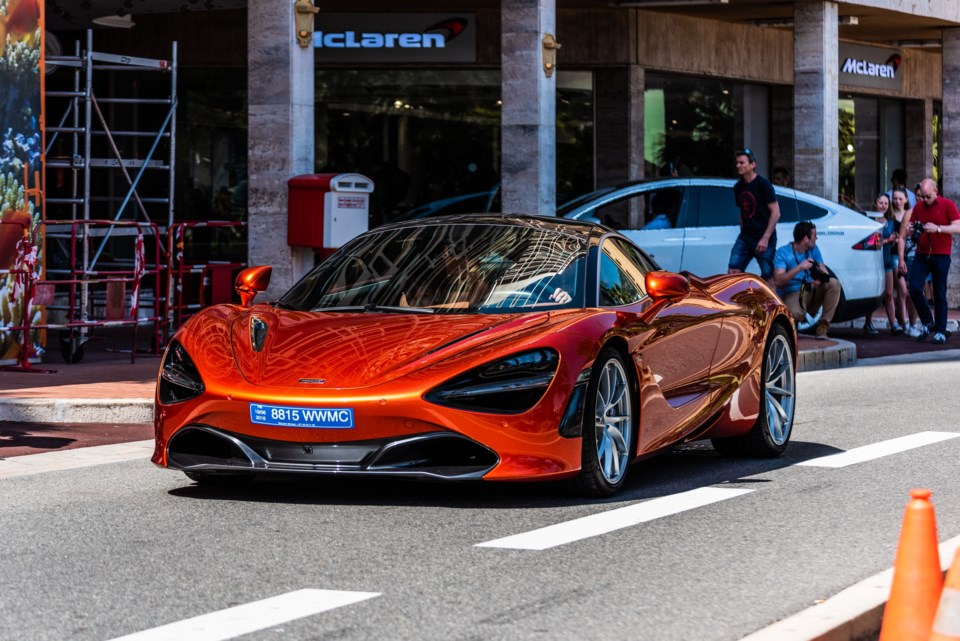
(608, 428)
(778, 382)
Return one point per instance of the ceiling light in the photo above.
(665, 3)
(115, 21)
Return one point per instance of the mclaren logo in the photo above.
(434, 37)
(866, 68)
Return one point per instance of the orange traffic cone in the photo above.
(946, 627)
(917, 578)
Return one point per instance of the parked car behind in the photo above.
(690, 224)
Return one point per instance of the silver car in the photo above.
(690, 224)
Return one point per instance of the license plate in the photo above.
(336, 418)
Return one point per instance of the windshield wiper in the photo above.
(400, 309)
(341, 308)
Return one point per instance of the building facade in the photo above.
(837, 94)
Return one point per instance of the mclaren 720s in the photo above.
(497, 347)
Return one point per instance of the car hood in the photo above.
(354, 350)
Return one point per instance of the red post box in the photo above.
(327, 210)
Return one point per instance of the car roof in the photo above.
(699, 181)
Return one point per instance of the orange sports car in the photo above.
(494, 347)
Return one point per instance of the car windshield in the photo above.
(447, 268)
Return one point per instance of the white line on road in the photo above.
(251, 617)
(881, 449)
(75, 458)
(604, 522)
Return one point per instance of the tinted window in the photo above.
(622, 274)
(717, 207)
(788, 209)
(809, 211)
(639, 210)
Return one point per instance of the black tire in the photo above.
(770, 435)
(610, 406)
(219, 479)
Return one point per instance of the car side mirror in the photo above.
(661, 285)
(252, 281)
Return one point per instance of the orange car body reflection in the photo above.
(697, 359)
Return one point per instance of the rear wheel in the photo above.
(771, 433)
(608, 426)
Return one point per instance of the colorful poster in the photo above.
(21, 139)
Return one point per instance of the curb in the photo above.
(75, 410)
(841, 354)
(854, 614)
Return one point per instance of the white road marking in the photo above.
(604, 522)
(76, 458)
(881, 449)
(251, 617)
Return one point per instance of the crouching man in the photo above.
(803, 281)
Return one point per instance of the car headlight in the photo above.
(179, 378)
(507, 386)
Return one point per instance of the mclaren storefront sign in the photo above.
(395, 37)
(862, 66)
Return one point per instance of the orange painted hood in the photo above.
(352, 350)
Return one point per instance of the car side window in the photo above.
(788, 209)
(717, 207)
(622, 274)
(809, 211)
(649, 209)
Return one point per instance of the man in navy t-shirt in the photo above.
(759, 213)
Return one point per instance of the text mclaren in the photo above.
(354, 40)
(864, 68)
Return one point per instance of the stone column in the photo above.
(950, 146)
(280, 136)
(918, 134)
(528, 119)
(815, 94)
(618, 132)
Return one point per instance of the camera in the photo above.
(916, 231)
(818, 273)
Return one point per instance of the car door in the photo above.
(672, 343)
(708, 241)
(664, 221)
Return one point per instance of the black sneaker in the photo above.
(939, 339)
(924, 334)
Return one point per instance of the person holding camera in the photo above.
(803, 281)
(933, 221)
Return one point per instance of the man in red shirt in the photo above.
(940, 220)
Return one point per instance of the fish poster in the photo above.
(21, 146)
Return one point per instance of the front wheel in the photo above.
(778, 384)
(608, 426)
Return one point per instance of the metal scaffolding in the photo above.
(113, 195)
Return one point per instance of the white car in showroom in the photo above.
(690, 224)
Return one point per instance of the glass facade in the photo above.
(430, 138)
(692, 126)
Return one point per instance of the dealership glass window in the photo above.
(695, 124)
(430, 138)
(872, 135)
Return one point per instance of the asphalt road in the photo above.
(117, 549)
